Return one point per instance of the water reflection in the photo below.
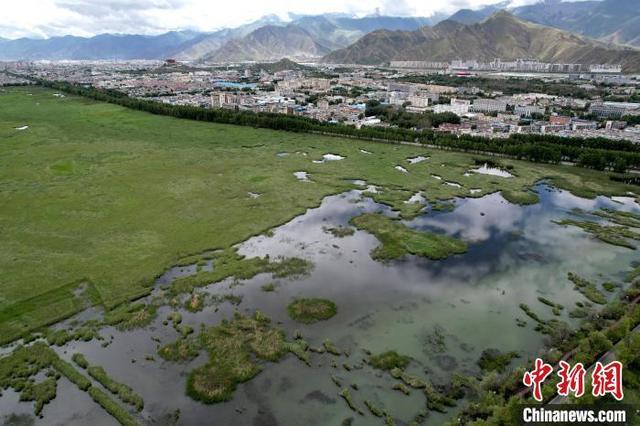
(302, 176)
(516, 254)
(418, 159)
(491, 171)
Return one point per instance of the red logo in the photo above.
(536, 377)
(571, 379)
(605, 379)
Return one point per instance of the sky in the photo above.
(48, 18)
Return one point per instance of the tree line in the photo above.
(596, 153)
(509, 86)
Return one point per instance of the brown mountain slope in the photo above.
(501, 36)
(269, 43)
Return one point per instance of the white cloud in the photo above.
(45, 18)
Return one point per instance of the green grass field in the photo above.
(96, 194)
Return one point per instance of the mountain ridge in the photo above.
(103, 46)
(332, 31)
(268, 43)
(502, 35)
(613, 21)
(308, 36)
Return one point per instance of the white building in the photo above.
(528, 111)
(488, 105)
(457, 106)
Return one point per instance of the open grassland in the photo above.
(97, 200)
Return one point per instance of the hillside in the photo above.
(303, 37)
(282, 65)
(328, 32)
(269, 43)
(214, 41)
(500, 36)
(615, 21)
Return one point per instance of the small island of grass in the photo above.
(398, 240)
(389, 360)
(587, 289)
(308, 311)
(611, 234)
(494, 360)
(340, 231)
(236, 349)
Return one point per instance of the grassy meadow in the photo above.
(98, 200)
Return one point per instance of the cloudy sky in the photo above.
(46, 18)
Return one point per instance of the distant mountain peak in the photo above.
(445, 27)
(502, 17)
(502, 14)
(270, 19)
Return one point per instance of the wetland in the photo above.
(350, 292)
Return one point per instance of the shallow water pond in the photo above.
(418, 159)
(491, 171)
(329, 157)
(468, 303)
(302, 176)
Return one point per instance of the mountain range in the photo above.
(372, 39)
(266, 39)
(270, 42)
(502, 35)
(615, 21)
(104, 46)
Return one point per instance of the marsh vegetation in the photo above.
(165, 202)
(396, 240)
(311, 310)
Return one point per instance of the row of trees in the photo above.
(509, 86)
(594, 153)
(399, 116)
(632, 120)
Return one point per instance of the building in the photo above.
(615, 125)
(420, 65)
(488, 105)
(509, 118)
(583, 125)
(561, 120)
(399, 87)
(605, 69)
(440, 90)
(552, 128)
(321, 84)
(224, 99)
(422, 100)
(371, 121)
(529, 110)
(457, 106)
(419, 101)
(613, 109)
(398, 98)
